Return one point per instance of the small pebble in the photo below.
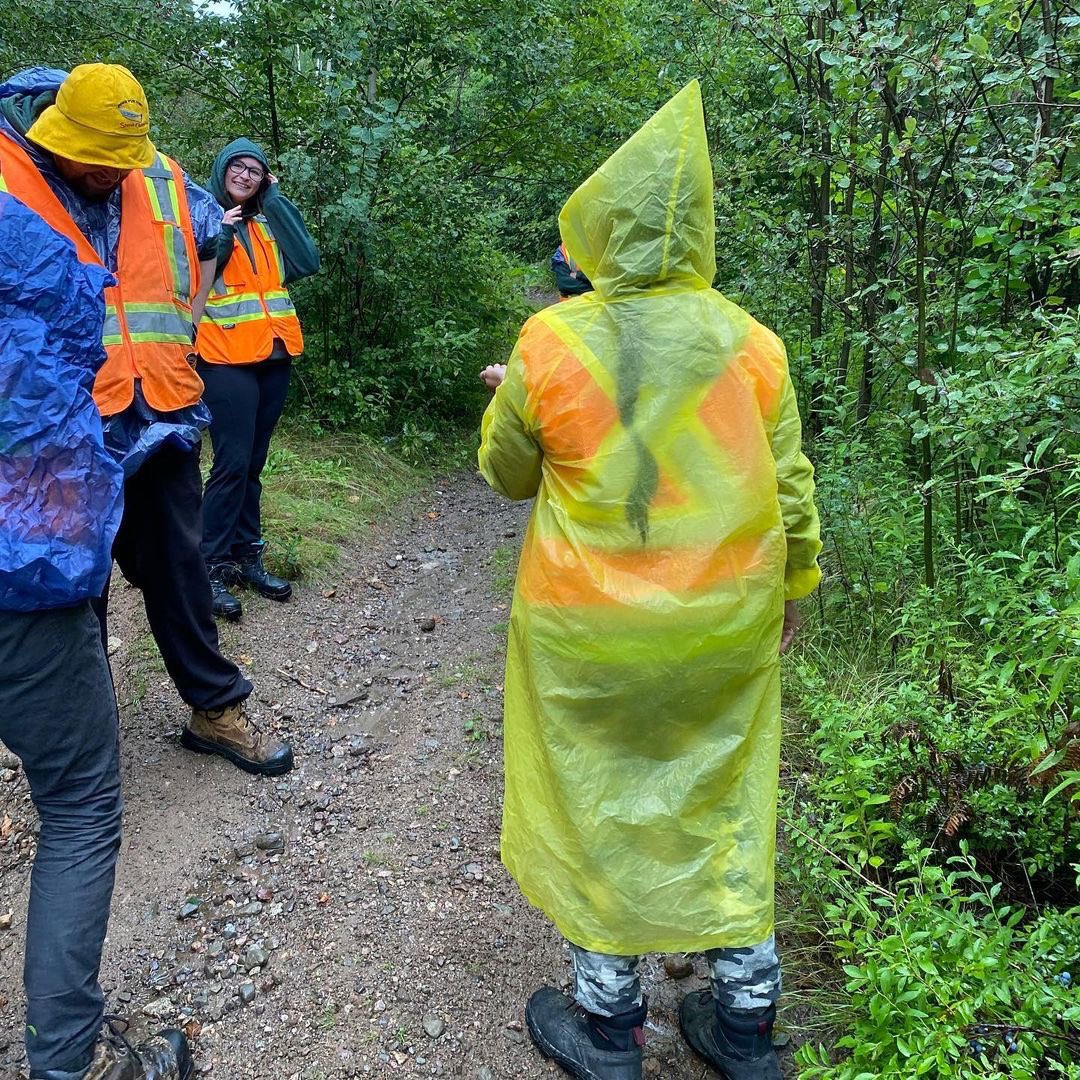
(678, 967)
(272, 842)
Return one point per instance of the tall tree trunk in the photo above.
(871, 305)
(1044, 87)
(275, 129)
(849, 261)
(821, 210)
(927, 378)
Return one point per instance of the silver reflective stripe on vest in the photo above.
(240, 310)
(182, 285)
(161, 176)
(268, 239)
(165, 325)
(165, 203)
(111, 334)
(280, 305)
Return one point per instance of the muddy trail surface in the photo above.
(351, 918)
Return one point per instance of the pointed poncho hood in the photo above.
(645, 218)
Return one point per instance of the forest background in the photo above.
(897, 195)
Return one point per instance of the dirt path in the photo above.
(364, 890)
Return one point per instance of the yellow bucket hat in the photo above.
(100, 118)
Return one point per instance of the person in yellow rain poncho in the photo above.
(673, 529)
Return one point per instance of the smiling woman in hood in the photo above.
(247, 340)
(240, 148)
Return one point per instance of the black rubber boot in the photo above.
(255, 576)
(587, 1046)
(223, 603)
(735, 1042)
(164, 1056)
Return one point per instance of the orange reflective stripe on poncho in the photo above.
(656, 424)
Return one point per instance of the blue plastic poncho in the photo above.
(60, 492)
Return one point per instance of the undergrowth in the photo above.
(930, 842)
(323, 490)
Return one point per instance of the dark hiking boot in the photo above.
(255, 576)
(231, 733)
(165, 1056)
(587, 1046)
(223, 603)
(735, 1042)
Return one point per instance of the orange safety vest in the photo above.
(148, 314)
(249, 306)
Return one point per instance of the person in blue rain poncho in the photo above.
(61, 498)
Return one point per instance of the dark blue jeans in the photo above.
(58, 714)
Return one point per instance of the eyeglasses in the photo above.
(238, 168)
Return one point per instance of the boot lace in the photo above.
(223, 574)
(243, 718)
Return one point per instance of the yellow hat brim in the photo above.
(66, 138)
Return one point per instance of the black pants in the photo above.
(58, 715)
(245, 403)
(157, 549)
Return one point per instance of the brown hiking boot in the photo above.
(165, 1056)
(232, 734)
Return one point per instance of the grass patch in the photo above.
(143, 661)
(468, 671)
(504, 561)
(321, 491)
(473, 729)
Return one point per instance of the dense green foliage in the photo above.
(430, 144)
(897, 195)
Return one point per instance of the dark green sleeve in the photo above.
(225, 240)
(298, 250)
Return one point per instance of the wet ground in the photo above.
(351, 918)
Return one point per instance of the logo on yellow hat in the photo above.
(132, 111)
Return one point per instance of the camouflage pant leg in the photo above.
(745, 978)
(605, 985)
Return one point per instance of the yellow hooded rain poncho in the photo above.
(656, 424)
